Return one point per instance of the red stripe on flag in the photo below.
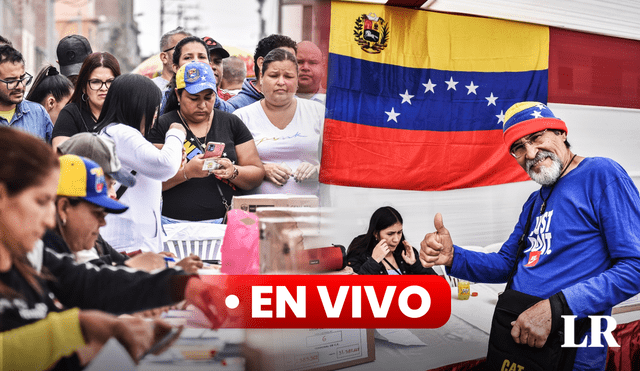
(366, 156)
(593, 70)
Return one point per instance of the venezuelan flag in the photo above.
(416, 99)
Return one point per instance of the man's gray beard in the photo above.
(547, 175)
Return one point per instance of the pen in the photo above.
(168, 259)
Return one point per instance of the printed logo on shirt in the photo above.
(539, 239)
(534, 258)
(39, 311)
(265, 139)
(191, 149)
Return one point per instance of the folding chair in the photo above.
(202, 239)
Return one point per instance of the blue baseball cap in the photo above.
(195, 77)
(83, 178)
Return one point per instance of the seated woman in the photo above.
(52, 90)
(28, 184)
(81, 114)
(127, 116)
(286, 129)
(193, 194)
(383, 249)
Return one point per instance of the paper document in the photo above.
(398, 336)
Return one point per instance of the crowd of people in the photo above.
(95, 162)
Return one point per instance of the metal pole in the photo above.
(51, 32)
(161, 19)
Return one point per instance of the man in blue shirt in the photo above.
(14, 110)
(250, 92)
(582, 253)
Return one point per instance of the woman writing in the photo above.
(52, 90)
(81, 114)
(286, 129)
(383, 249)
(194, 194)
(126, 118)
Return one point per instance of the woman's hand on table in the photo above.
(276, 173)
(190, 264)
(306, 171)
(380, 251)
(135, 334)
(408, 255)
(209, 299)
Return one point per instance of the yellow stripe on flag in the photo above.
(423, 39)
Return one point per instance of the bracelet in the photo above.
(184, 173)
(235, 173)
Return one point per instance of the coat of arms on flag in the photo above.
(371, 33)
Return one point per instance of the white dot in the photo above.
(232, 301)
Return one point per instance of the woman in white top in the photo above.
(127, 116)
(286, 129)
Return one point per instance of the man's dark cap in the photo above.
(72, 51)
(215, 47)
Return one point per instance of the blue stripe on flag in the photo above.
(371, 93)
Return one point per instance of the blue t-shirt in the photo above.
(586, 244)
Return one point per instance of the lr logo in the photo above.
(596, 331)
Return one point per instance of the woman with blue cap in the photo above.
(196, 193)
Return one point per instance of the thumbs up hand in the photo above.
(437, 247)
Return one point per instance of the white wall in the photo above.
(485, 215)
(619, 18)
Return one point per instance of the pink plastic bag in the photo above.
(240, 251)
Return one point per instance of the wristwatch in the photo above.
(235, 173)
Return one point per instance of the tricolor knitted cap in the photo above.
(526, 118)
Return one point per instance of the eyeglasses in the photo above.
(536, 139)
(170, 49)
(13, 84)
(97, 84)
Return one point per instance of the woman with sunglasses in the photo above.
(52, 90)
(81, 114)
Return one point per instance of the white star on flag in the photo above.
(491, 99)
(500, 117)
(429, 86)
(406, 97)
(392, 115)
(541, 106)
(451, 84)
(536, 114)
(472, 88)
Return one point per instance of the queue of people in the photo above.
(86, 205)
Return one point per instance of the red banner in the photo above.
(334, 301)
